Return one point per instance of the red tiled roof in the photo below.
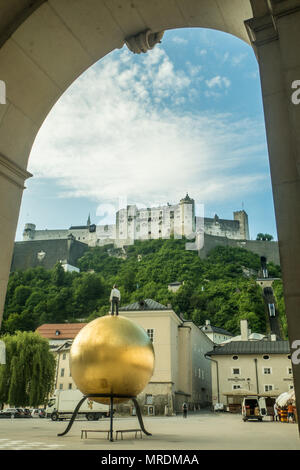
(60, 330)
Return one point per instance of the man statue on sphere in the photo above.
(115, 298)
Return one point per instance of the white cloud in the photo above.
(179, 40)
(119, 130)
(238, 59)
(218, 81)
(193, 70)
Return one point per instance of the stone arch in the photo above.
(46, 44)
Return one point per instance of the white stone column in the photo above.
(276, 41)
(12, 179)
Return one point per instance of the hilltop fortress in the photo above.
(46, 247)
(132, 224)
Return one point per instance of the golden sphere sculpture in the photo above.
(111, 355)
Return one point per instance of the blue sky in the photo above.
(146, 129)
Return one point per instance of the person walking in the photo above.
(184, 409)
(290, 413)
(115, 297)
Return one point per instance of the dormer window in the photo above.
(57, 333)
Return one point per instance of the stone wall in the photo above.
(268, 249)
(46, 253)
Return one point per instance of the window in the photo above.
(150, 333)
(199, 373)
(267, 370)
(64, 356)
(70, 386)
(235, 358)
(60, 386)
(149, 399)
(290, 371)
(268, 388)
(62, 372)
(236, 371)
(235, 387)
(266, 357)
(291, 387)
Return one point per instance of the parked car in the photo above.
(219, 407)
(12, 412)
(38, 413)
(35, 413)
(27, 412)
(254, 407)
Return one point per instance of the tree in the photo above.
(264, 237)
(27, 378)
(280, 303)
(220, 288)
(58, 275)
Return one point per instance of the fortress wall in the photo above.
(262, 248)
(49, 234)
(46, 253)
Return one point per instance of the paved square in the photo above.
(199, 431)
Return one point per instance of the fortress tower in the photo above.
(187, 206)
(29, 232)
(242, 217)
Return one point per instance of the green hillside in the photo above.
(220, 288)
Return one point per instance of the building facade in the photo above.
(215, 334)
(182, 373)
(60, 337)
(242, 368)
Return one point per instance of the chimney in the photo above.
(244, 330)
(207, 322)
(273, 337)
